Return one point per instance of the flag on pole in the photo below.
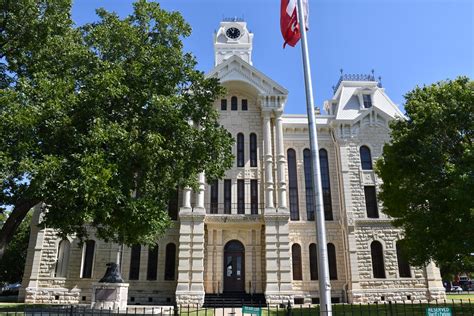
(289, 25)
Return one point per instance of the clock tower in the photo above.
(232, 38)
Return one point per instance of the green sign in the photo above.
(252, 310)
(439, 311)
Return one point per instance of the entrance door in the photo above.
(234, 263)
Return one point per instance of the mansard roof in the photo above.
(348, 99)
(236, 69)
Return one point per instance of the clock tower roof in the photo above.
(232, 39)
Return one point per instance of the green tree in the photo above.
(12, 264)
(428, 174)
(101, 123)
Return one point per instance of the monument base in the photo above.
(111, 296)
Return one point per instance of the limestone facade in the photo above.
(260, 205)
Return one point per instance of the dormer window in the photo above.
(367, 98)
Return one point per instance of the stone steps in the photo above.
(234, 300)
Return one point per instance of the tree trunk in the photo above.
(13, 221)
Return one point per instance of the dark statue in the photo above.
(112, 274)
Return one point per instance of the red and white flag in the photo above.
(289, 25)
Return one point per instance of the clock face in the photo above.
(233, 33)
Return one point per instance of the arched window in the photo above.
(332, 262)
(296, 258)
(308, 185)
(403, 266)
(87, 259)
(325, 184)
(253, 150)
(62, 261)
(240, 150)
(170, 262)
(134, 273)
(376, 252)
(233, 103)
(152, 267)
(365, 158)
(313, 262)
(293, 185)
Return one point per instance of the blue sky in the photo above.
(407, 42)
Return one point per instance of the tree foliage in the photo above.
(428, 174)
(12, 264)
(102, 122)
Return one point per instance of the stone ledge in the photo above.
(233, 218)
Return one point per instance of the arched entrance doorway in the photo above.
(234, 267)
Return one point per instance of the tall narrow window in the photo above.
(135, 263)
(170, 262)
(227, 196)
(378, 266)
(152, 267)
(214, 197)
(62, 261)
(173, 205)
(308, 182)
(296, 259)
(241, 196)
(233, 103)
(371, 202)
(365, 158)
(325, 184)
(367, 100)
(313, 262)
(253, 150)
(88, 259)
(254, 196)
(403, 266)
(293, 185)
(240, 150)
(223, 104)
(332, 262)
(244, 105)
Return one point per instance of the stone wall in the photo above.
(40, 285)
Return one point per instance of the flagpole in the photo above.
(323, 266)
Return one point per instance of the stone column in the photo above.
(278, 287)
(268, 157)
(190, 288)
(186, 198)
(281, 162)
(200, 192)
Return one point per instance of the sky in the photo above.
(408, 43)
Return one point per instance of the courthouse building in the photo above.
(253, 231)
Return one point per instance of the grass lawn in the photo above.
(460, 297)
(458, 309)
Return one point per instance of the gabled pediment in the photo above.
(236, 69)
